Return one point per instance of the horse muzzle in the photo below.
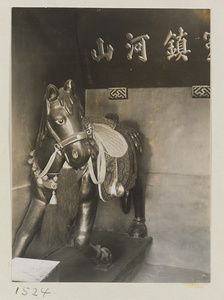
(77, 154)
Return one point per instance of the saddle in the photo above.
(116, 161)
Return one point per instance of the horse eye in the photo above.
(60, 121)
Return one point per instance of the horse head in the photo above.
(64, 122)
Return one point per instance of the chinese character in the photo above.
(102, 54)
(180, 48)
(137, 45)
(206, 37)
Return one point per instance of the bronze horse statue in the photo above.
(104, 150)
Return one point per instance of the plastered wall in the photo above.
(175, 164)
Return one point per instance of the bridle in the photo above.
(61, 144)
(43, 177)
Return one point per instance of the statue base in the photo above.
(128, 254)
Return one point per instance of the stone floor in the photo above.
(164, 274)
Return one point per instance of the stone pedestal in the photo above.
(128, 254)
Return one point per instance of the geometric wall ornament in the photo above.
(200, 91)
(118, 93)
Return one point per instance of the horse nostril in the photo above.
(75, 154)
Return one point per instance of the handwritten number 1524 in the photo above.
(32, 291)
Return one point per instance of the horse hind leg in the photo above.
(138, 227)
(126, 201)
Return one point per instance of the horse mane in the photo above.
(43, 125)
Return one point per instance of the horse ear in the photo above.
(69, 87)
(52, 92)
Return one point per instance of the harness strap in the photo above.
(59, 146)
(101, 164)
(54, 134)
(49, 164)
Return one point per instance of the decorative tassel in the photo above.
(30, 161)
(53, 200)
(32, 153)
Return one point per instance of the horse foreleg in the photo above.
(138, 227)
(85, 220)
(29, 227)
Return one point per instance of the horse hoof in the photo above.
(138, 229)
(104, 257)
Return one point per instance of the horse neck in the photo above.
(43, 151)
